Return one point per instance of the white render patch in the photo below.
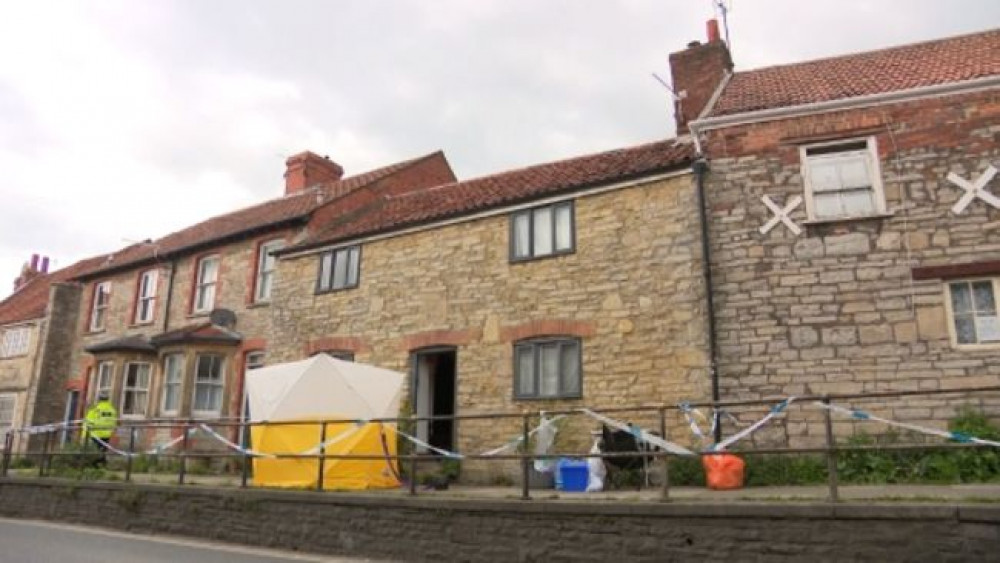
(781, 215)
(974, 190)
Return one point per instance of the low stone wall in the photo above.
(429, 529)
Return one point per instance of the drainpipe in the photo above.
(700, 167)
(170, 294)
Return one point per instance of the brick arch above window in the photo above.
(548, 327)
(431, 338)
(351, 344)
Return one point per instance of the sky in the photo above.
(122, 120)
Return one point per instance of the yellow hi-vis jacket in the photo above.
(101, 420)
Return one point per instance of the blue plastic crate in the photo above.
(572, 475)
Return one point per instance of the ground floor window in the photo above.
(547, 368)
(208, 385)
(173, 378)
(973, 311)
(7, 403)
(135, 389)
(105, 379)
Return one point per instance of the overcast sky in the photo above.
(126, 120)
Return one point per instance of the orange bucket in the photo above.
(723, 471)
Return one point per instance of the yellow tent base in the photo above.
(338, 474)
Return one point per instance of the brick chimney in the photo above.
(30, 271)
(696, 73)
(308, 169)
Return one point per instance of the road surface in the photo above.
(32, 541)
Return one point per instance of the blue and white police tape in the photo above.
(639, 433)
(775, 411)
(232, 445)
(862, 415)
(424, 444)
(690, 414)
(339, 437)
(154, 451)
(516, 441)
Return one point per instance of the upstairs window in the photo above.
(542, 231)
(135, 389)
(100, 303)
(145, 303)
(206, 282)
(15, 342)
(547, 368)
(266, 263)
(208, 385)
(339, 269)
(173, 379)
(974, 315)
(842, 180)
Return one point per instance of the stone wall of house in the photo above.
(16, 373)
(47, 396)
(632, 291)
(837, 309)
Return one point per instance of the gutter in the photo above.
(170, 294)
(699, 168)
(897, 96)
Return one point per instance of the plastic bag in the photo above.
(723, 471)
(595, 470)
(545, 436)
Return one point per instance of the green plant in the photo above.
(451, 468)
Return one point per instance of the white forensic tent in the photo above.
(324, 388)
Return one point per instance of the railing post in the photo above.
(831, 453)
(8, 447)
(665, 490)
(44, 462)
(525, 461)
(131, 449)
(413, 460)
(322, 455)
(184, 448)
(245, 470)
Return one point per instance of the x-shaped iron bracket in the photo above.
(974, 190)
(781, 215)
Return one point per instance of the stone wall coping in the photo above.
(926, 511)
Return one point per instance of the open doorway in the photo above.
(433, 394)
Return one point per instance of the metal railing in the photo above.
(830, 448)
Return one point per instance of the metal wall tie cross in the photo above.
(781, 215)
(974, 190)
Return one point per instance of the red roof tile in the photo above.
(291, 208)
(392, 212)
(31, 300)
(943, 61)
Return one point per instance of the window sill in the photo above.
(142, 324)
(550, 398)
(338, 290)
(199, 314)
(258, 304)
(529, 259)
(832, 220)
(95, 331)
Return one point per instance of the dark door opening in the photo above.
(434, 395)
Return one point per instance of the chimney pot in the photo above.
(712, 27)
(34, 262)
(693, 43)
(45, 264)
(698, 70)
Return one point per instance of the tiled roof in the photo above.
(391, 212)
(295, 207)
(31, 300)
(202, 332)
(124, 344)
(943, 61)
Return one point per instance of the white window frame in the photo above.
(205, 292)
(99, 308)
(255, 359)
(533, 223)
(349, 258)
(949, 307)
(136, 388)
(265, 276)
(145, 301)
(178, 360)
(104, 379)
(199, 383)
(7, 424)
(870, 153)
(534, 347)
(16, 341)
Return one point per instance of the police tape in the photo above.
(775, 411)
(424, 444)
(857, 414)
(513, 443)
